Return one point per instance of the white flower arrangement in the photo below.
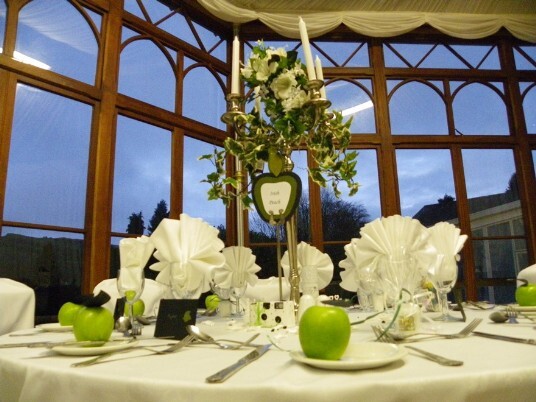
(282, 119)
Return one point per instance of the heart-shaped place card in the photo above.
(276, 197)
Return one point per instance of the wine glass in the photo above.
(130, 284)
(443, 275)
(237, 292)
(368, 284)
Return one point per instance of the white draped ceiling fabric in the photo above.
(467, 19)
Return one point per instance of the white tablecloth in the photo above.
(493, 371)
(17, 306)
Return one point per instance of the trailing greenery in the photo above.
(284, 118)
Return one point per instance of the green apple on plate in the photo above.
(68, 312)
(93, 324)
(324, 332)
(526, 293)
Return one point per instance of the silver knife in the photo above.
(506, 338)
(49, 345)
(224, 374)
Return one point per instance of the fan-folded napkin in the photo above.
(239, 268)
(310, 256)
(187, 249)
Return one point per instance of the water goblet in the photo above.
(130, 284)
(443, 275)
(237, 292)
(368, 283)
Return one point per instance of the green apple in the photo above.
(139, 308)
(212, 302)
(68, 312)
(324, 332)
(526, 293)
(93, 324)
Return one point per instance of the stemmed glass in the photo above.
(130, 284)
(368, 284)
(443, 275)
(237, 292)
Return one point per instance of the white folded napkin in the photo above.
(310, 256)
(266, 290)
(133, 255)
(238, 270)
(351, 265)
(448, 241)
(187, 249)
(396, 248)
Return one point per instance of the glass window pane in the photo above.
(439, 56)
(3, 11)
(478, 109)
(146, 74)
(195, 198)
(495, 212)
(417, 108)
(337, 254)
(353, 101)
(525, 57)
(479, 56)
(48, 160)
(344, 54)
(142, 173)
(47, 261)
(426, 185)
(203, 98)
(491, 185)
(529, 106)
(56, 36)
(343, 218)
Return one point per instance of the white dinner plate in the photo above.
(94, 350)
(55, 327)
(358, 356)
(517, 307)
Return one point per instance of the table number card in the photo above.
(173, 317)
(276, 197)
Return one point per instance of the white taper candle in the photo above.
(235, 66)
(307, 50)
(320, 76)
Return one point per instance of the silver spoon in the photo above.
(498, 317)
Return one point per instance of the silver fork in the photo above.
(386, 337)
(466, 331)
(220, 342)
(512, 315)
(100, 358)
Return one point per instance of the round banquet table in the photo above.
(493, 370)
(17, 304)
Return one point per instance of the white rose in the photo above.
(296, 100)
